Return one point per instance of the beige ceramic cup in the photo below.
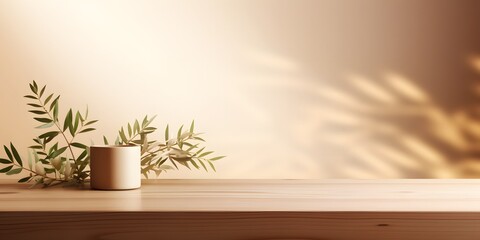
(115, 167)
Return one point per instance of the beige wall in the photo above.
(285, 89)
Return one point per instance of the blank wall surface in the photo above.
(285, 89)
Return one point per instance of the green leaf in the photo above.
(181, 158)
(37, 140)
(144, 146)
(122, 135)
(49, 134)
(4, 170)
(185, 135)
(75, 125)
(30, 96)
(30, 160)
(42, 91)
(25, 179)
(149, 130)
(55, 112)
(83, 174)
(34, 90)
(199, 151)
(54, 102)
(82, 155)
(43, 120)
(38, 112)
(58, 152)
(185, 163)
(151, 120)
(48, 139)
(34, 105)
(211, 165)
(166, 133)
(35, 86)
(191, 146)
(14, 171)
(15, 155)
(203, 165)
(204, 154)
(9, 154)
(91, 122)
(79, 145)
(145, 161)
(82, 119)
(36, 147)
(68, 120)
(195, 164)
(217, 158)
(161, 162)
(136, 127)
(199, 138)
(5, 161)
(48, 99)
(192, 126)
(129, 130)
(41, 153)
(105, 141)
(53, 148)
(173, 162)
(87, 130)
(179, 132)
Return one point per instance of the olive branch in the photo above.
(57, 158)
(156, 156)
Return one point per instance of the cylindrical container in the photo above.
(115, 167)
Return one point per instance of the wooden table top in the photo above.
(247, 210)
(253, 195)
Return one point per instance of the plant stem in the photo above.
(36, 174)
(62, 132)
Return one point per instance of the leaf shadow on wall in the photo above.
(397, 130)
(379, 128)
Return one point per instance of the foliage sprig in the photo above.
(158, 156)
(56, 157)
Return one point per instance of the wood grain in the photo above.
(247, 210)
(238, 225)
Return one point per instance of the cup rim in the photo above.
(114, 146)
